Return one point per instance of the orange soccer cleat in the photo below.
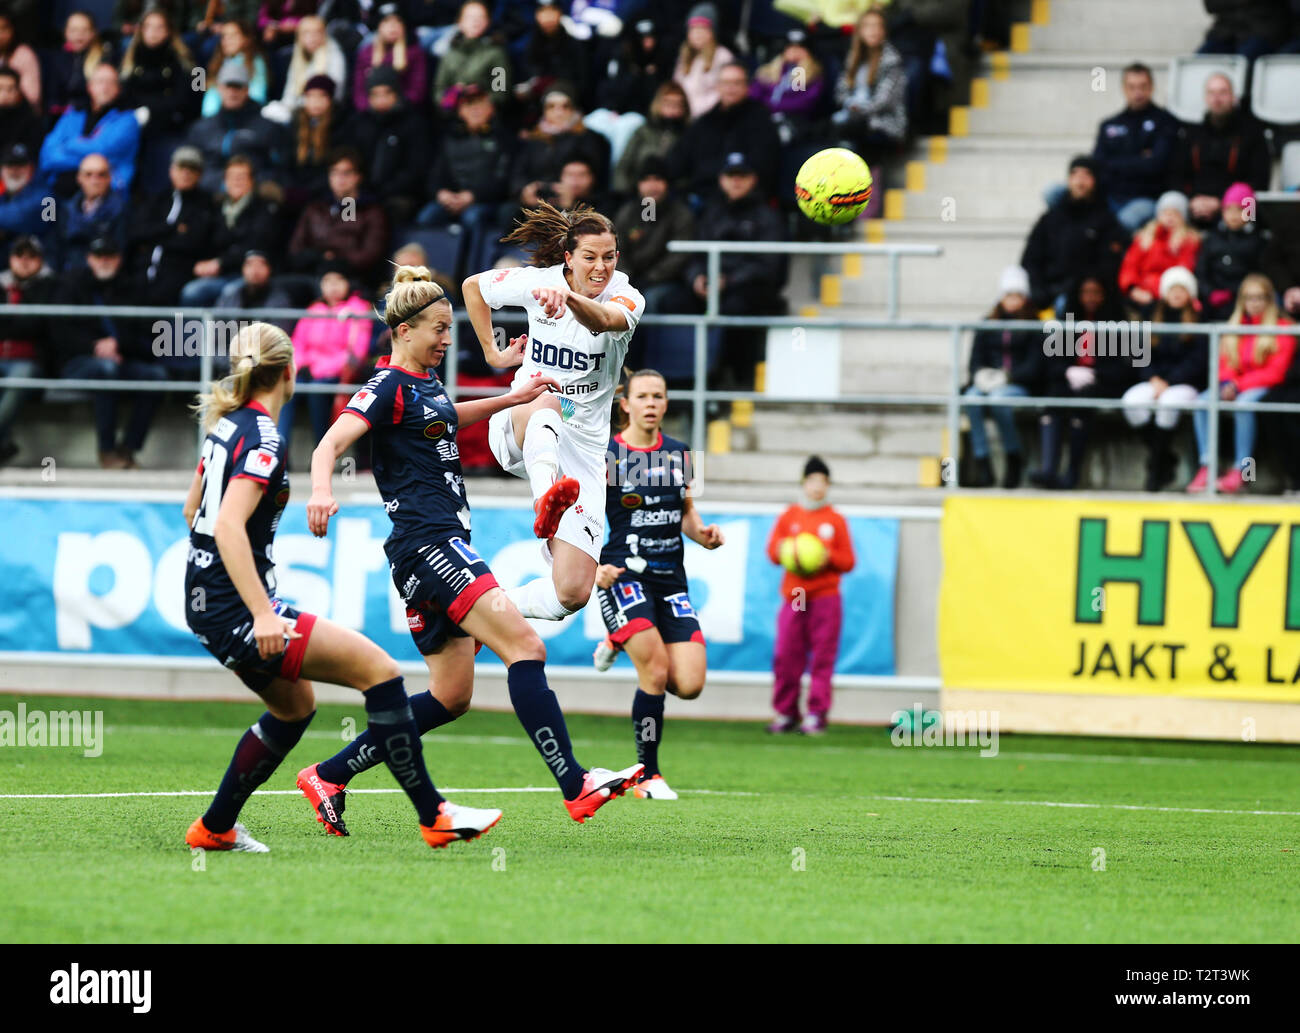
(198, 837)
(599, 786)
(456, 823)
(326, 799)
(551, 506)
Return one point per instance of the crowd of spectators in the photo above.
(1159, 223)
(265, 152)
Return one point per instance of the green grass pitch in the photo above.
(794, 840)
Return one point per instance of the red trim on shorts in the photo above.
(657, 446)
(697, 636)
(483, 583)
(632, 627)
(291, 665)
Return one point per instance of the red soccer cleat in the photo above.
(456, 823)
(551, 506)
(326, 800)
(599, 786)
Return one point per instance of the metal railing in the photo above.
(951, 400)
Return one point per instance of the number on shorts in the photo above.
(681, 604)
(214, 472)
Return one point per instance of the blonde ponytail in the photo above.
(259, 355)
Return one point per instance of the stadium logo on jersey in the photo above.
(362, 399)
(435, 430)
(260, 462)
(631, 500)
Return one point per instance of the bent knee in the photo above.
(573, 597)
(688, 689)
(529, 647)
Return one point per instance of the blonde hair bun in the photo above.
(412, 274)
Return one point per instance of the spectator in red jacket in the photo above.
(1165, 241)
(343, 226)
(1249, 364)
(808, 623)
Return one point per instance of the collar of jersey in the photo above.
(653, 448)
(385, 360)
(252, 404)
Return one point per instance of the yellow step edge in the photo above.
(760, 377)
(894, 204)
(1000, 63)
(938, 150)
(807, 312)
(979, 93)
(719, 437)
(959, 120)
(1041, 13)
(875, 231)
(929, 473)
(1020, 38)
(915, 176)
(830, 289)
(852, 266)
(742, 413)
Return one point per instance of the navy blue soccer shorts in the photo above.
(236, 648)
(439, 583)
(631, 605)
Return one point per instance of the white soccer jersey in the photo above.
(588, 366)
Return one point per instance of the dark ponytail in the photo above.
(548, 232)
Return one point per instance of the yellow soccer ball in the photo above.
(833, 187)
(803, 554)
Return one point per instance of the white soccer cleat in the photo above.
(243, 841)
(455, 822)
(654, 788)
(199, 838)
(605, 655)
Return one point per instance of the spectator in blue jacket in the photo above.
(1134, 151)
(100, 127)
(96, 210)
(23, 200)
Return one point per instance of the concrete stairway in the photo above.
(976, 193)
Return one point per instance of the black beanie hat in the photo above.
(814, 465)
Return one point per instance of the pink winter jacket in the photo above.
(323, 346)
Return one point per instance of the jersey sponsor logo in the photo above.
(655, 517)
(448, 451)
(630, 593)
(224, 428)
(201, 558)
(391, 506)
(631, 500)
(362, 400)
(428, 413)
(567, 408)
(282, 498)
(408, 589)
(627, 303)
(435, 430)
(681, 604)
(260, 462)
(584, 387)
(566, 358)
(414, 619)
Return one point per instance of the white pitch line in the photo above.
(295, 792)
(1086, 806)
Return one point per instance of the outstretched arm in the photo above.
(480, 318)
(481, 408)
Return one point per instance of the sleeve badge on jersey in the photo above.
(627, 303)
(362, 399)
(260, 462)
(500, 275)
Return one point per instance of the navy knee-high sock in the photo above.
(648, 726)
(256, 757)
(397, 741)
(360, 754)
(539, 712)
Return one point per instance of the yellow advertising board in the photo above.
(1102, 597)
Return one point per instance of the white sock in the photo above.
(538, 598)
(541, 448)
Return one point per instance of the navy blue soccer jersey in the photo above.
(646, 496)
(414, 453)
(244, 443)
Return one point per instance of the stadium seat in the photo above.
(671, 350)
(1275, 93)
(1290, 166)
(1187, 77)
(444, 245)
